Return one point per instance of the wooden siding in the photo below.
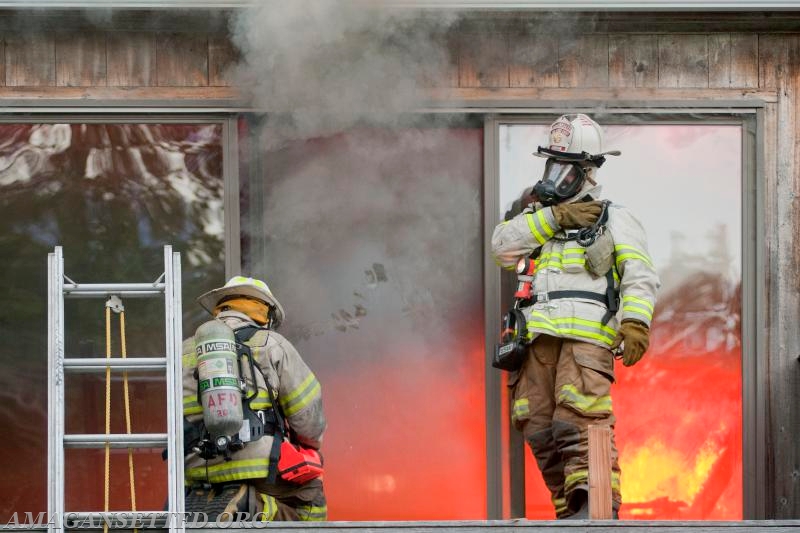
(622, 60)
(111, 59)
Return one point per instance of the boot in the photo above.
(579, 503)
(214, 501)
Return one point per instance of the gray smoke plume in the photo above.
(321, 66)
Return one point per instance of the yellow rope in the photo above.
(107, 475)
(127, 411)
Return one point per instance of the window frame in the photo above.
(505, 447)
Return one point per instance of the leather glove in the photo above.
(636, 337)
(577, 215)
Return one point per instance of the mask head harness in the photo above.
(564, 174)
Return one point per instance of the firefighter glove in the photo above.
(636, 338)
(577, 215)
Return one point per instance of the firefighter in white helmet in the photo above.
(593, 291)
(283, 398)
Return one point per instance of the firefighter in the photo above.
(241, 482)
(593, 293)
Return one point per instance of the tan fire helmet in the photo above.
(243, 286)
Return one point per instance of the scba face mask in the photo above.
(561, 181)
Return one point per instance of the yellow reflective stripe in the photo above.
(521, 407)
(640, 301)
(550, 260)
(270, 508)
(632, 304)
(304, 401)
(231, 470)
(576, 478)
(189, 360)
(545, 226)
(560, 504)
(637, 310)
(190, 406)
(501, 265)
(534, 230)
(573, 251)
(299, 389)
(301, 396)
(570, 394)
(261, 401)
(312, 513)
(578, 327)
(625, 252)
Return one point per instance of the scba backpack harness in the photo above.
(292, 463)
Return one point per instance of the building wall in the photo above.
(505, 58)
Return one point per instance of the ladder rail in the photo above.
(55, 382)
(173, 318)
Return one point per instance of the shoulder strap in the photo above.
(242, 336)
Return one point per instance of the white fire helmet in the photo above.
(575, 138)
(242, 286)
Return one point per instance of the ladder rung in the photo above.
(101, 290)
(118, 440)
(98, 364)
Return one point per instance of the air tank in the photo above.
(218, 381)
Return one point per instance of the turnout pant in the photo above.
(290, 501)
(563, 387)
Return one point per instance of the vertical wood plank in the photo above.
(600, 506)
(719, 60)
(81, 60)
(182, 60)
(440, 67)
(682, 60)
(131, 59)
(30, 60)
(632, 60)
(483, 60)
(583, 61)
(732, 60)
(744, 60)
(2, 61)
(533, 60)
(765, 465)
(222, 57)
(784, 385)
(773, 56)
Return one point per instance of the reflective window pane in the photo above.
(112, 195)
(679, 411)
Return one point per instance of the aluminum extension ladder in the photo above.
(60, 286)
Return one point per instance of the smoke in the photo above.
(322, 66)
(382, 225)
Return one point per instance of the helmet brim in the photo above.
(209, 300)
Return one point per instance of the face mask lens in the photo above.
(568, 182)
(566, 178)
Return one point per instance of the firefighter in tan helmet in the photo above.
(238, 367)
(592, 293)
